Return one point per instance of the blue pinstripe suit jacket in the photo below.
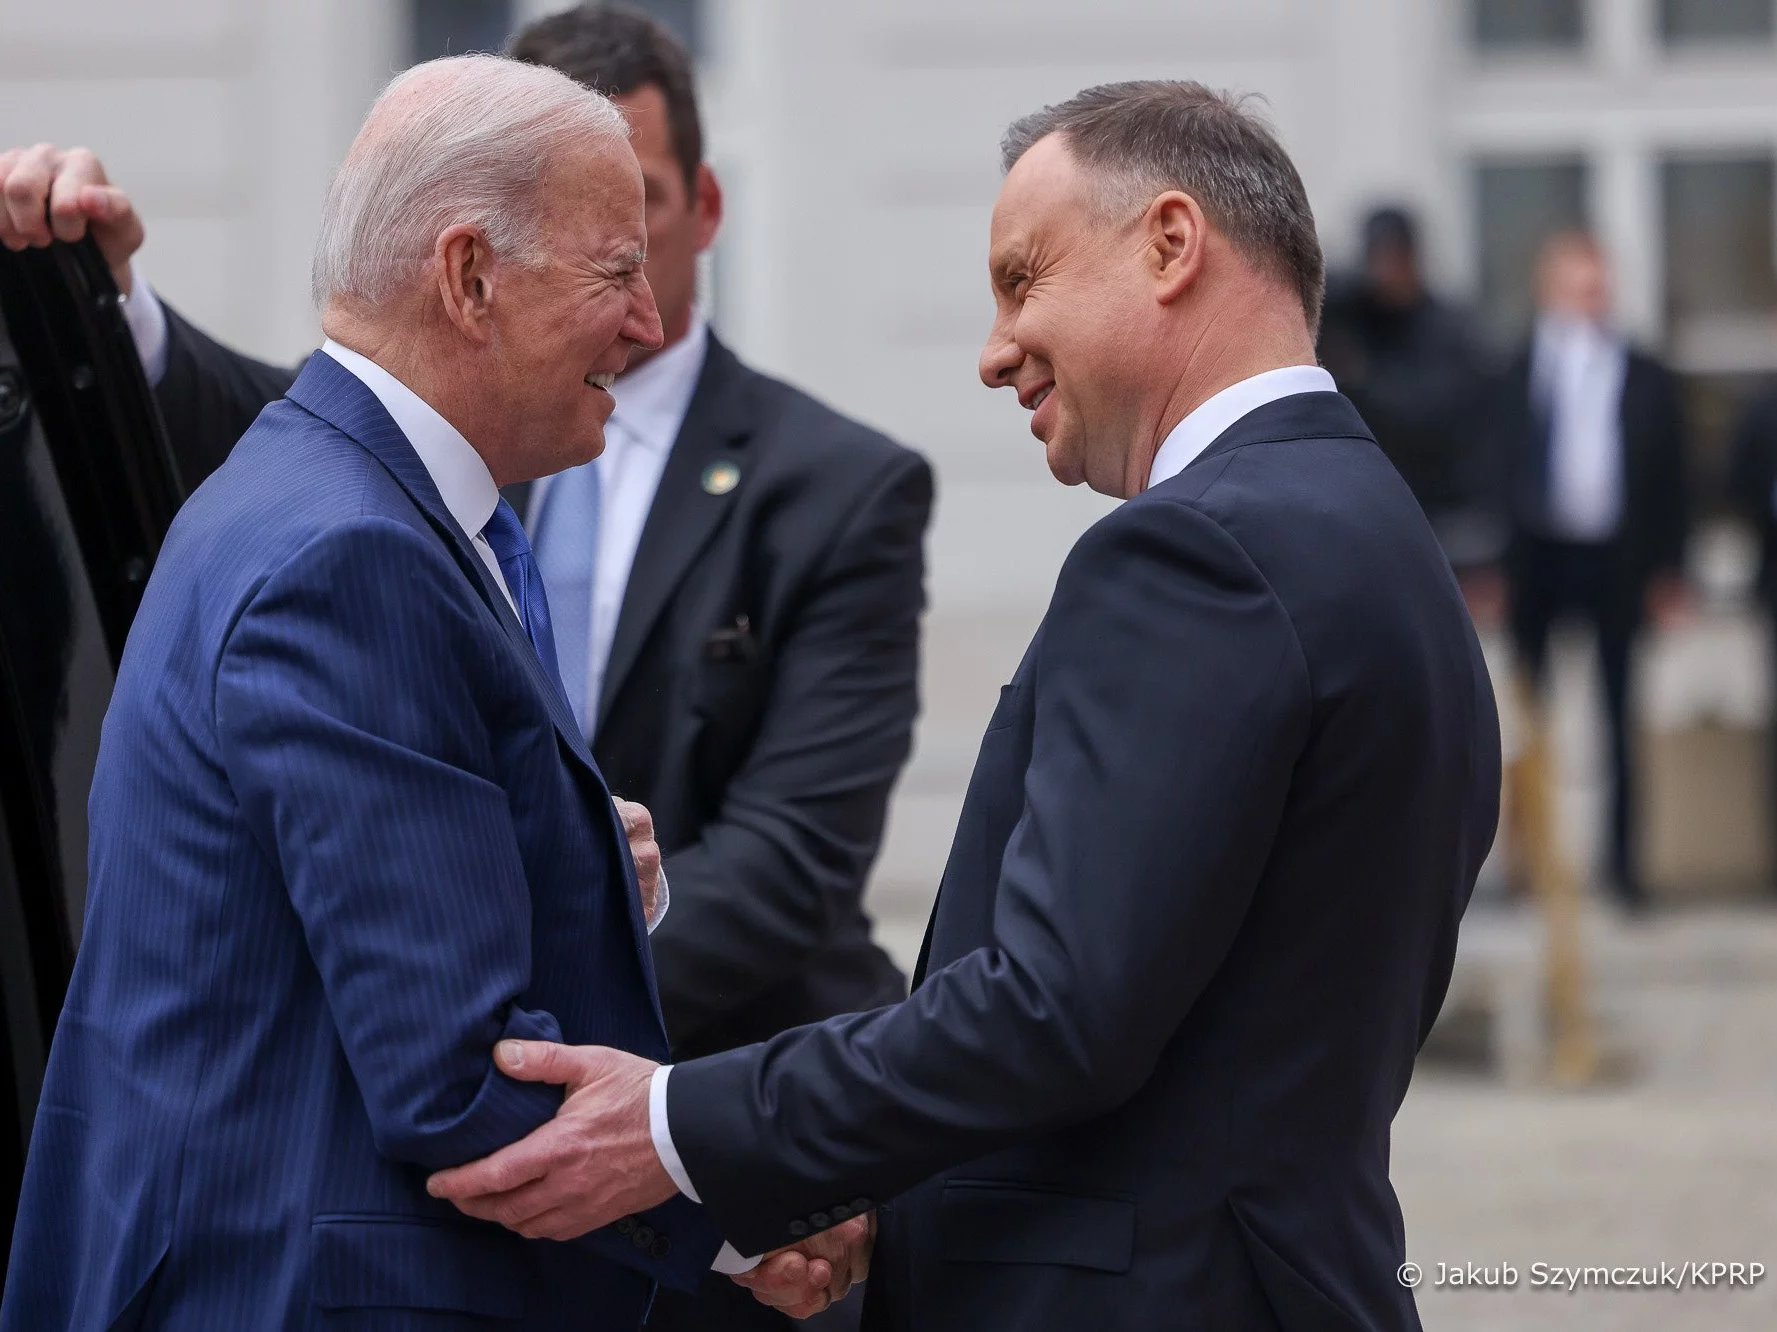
(345, 836)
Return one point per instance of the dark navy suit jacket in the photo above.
(1200, 912)
(345, 836)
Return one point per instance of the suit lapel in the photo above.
(685, 512)
(340, 398)
(353, 408)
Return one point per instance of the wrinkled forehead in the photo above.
(593, 197)
(1044, 195)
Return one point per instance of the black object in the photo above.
(88, 488)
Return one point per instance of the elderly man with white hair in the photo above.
(346, 835)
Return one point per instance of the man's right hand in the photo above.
(49, 193)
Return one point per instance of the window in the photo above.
(1520, 203)
(1528, 25)
(1721, 278)
(453, 27)
(1716, 21)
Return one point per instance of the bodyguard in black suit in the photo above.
(1591, 435)
(1202, 903)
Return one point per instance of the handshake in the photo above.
(590, 1167)
(595, 1164)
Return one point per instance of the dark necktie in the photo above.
(505, 534)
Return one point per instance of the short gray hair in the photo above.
(463, 139)
(1145, 137)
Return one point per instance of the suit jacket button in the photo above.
(661, 1247)
(860, 1206)
(841, 1213)
(820, 1220)
(643, 1238)
(799, 1228)
(626, 1225)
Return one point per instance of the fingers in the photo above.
(47, 194)
(506, 1170)
(77, 173)
(792, 1283)
(24, 196)
(545, 1061)
(529, 1209)
(815, 1273)
(637, 821)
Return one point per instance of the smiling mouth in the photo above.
(1038, 401)
(603, 381)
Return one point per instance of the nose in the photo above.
(642, 325)
(1001, 357)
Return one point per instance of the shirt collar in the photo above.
(457, 470)
(1191, 436)
(653, 398)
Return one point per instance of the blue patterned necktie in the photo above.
(505, 534)
(567, 554)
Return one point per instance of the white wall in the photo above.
(224, 118)
(858, 144)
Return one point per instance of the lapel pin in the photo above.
(720, 477)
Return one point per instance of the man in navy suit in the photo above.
(346, 835)
(1203, 899)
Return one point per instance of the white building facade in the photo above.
(857, 140)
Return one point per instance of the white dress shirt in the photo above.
(1181, 447)
(457, 470)
(1191, 436)
(1577, 371)
(652, 401)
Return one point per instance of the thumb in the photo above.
(530, 1061)
(545, 1061)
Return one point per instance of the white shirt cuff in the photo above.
(148, 326)
(729, 1261)
(662, 900)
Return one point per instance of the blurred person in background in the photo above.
(736, 585)
(1412, 366)
(1591, 440)
(1752, 490)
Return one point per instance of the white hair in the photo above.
(458, 140)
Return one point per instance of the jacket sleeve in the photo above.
(209, 395)
(757, 894)
(1171, 702)
(351, 736)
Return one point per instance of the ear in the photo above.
(466, 280)
(707, 206)
(1177, 240)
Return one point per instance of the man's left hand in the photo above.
(638, 827)
(593, 1164)
(792, 1280)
